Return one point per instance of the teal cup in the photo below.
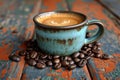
(65, 40)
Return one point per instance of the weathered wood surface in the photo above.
(16, 21)
(103, 69)
(112, 5)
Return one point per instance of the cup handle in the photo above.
(98, 34)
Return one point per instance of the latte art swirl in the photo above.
(60, 19)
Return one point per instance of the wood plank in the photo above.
(13, 20)
(109, 69)
(31, 73)
(112, 5)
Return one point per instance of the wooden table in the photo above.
(16, 26)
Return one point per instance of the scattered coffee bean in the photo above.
(97, 56)
(81, 55)
(57, 66)
(90, 45)
(65, 63)
(31, 62)
(33, 54)
(56, 56)
(88, 35)
(22, 53)
(40, 65)
(15, 58)
(82, 62)
(49, 57)
(71, 62)
(76, 60)
(56, 61)
(106, 56)
(69, 58)
(49, 63)
(76, 54)
(71, 67)
(43, 56)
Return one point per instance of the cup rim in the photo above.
(59, 27)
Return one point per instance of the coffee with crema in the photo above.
(60, 19)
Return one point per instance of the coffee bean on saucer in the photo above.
(40, 65)
(65, 63)
(82, 62)
(14, 57)
(98, 44)
(76, 60)
(71, 67)
(57, 66)
(88, 49)
(81, 55)
(76, 54)
(56, 56)
(33, 54)
(31, 62)
(22, 53)
(56, 61)
(49, 63)
(106, 56)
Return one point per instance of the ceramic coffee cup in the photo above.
(65, 40)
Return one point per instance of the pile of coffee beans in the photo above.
(34, 56)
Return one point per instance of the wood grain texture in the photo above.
(109, 69)
(112, 5)
(13, 23)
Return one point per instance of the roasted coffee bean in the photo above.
(87, 57)
(106, 56)
(57, 66)
(56, 61)
(22, 53)
(82, 62)
(76, 54)
(90, 45)
(81, 55)
(65, 63)
(69, 58)
(31, 62)
(98, 49)
(49, 57)
(40, 65)
(88, 49)
(37, 58)
(33, 54)
(72, 66)
(49, 63)
(76, 60)
(84, 52)
(98, 44)
(14, 57)
(43, 56)
(64, 58)
(27, 57)
(56, 56)
(41, 61)
(71, 62)
(97, 55)
(84, 48)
